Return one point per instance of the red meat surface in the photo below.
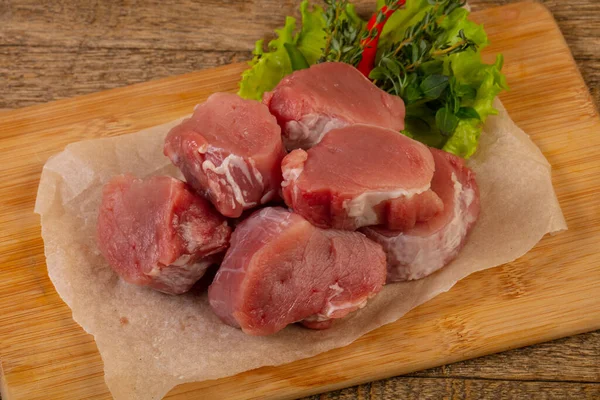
(428, 246)
(157, 232)
(280, 269)
(361, 175)
(310, 102)
(230, 151)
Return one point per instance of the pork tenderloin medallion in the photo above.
(230, 151)
(157, 232)
(361, 175)
(429, 246)
(311, 102)
(280, 269)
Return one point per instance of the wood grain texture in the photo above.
(430, 388)
(88, 70)
(553, 370)
(572, 359)
(46, 358)
(57, 49)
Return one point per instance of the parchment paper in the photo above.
(151, 342)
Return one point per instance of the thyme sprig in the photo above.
(422, 43)
(346, 37)
(343, 34)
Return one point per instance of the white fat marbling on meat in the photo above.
(346, 305)
(362, 207)
(414, 257)
(270, 195)
(224, 169)
(309, 130)
(291, 175)
(203, 149)
(257, 175)
(332, 306)
(183, 260)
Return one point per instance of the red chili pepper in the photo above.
(369, 44)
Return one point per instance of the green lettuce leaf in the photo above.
(311, 38)
(457, 21)
(463, 142)
(480, 83)
(488, 82)
(485, 81)
(268, 68)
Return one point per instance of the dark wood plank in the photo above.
(62, 48)
(553, 370)
(66, 73)
(448, 388)
(209, 25)
(574, 359)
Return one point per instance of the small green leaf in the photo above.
(446, 121)
(377, 73)
(412, 94)
(466, 92)
(434, 67)
(411, 79)
(335, 44)
(391, 65)
(416, 126)
(433, 86)
(423, 46)
(455, 103)
(468, 112)
(414, 52)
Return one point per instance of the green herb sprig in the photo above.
(413, 68)
(398, 65)
(343, 34)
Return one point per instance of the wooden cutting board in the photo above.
(553, 291)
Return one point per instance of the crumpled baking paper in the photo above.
(151, 342)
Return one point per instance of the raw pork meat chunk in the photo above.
(158, 233)
(280, 269)
(430, 245)
(311, 102)
(230, 150)
(361, 175)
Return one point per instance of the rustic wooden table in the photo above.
(63, 48)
